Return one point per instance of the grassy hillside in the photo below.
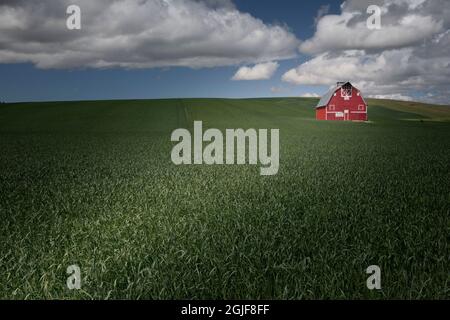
(92, 183)
(426, 111)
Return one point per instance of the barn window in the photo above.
(331, 107)
(361, 107)
(346, 91)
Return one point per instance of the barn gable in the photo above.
(327, 96)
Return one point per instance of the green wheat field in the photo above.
(92, 184)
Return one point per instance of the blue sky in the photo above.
(24, 82)
(130, 49)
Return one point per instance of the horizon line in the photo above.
(207, 98)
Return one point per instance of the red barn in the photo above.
(343, 102)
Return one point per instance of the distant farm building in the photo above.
(343, 102)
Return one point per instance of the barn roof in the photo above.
(327, 96)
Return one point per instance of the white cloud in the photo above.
(326, 68)
(278, 90)
(335, 33)
(396, 96)
(408, 57)
(323, 10)
(262, 71)
(388, 73)
(138, 34)
(309, 95)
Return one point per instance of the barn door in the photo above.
(346, 115)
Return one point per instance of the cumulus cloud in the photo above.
(358, 66)
(409, 56)
(336, 33)
(138, 34)
(261, 71)
(323, 10)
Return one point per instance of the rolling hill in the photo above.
(91, 183)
